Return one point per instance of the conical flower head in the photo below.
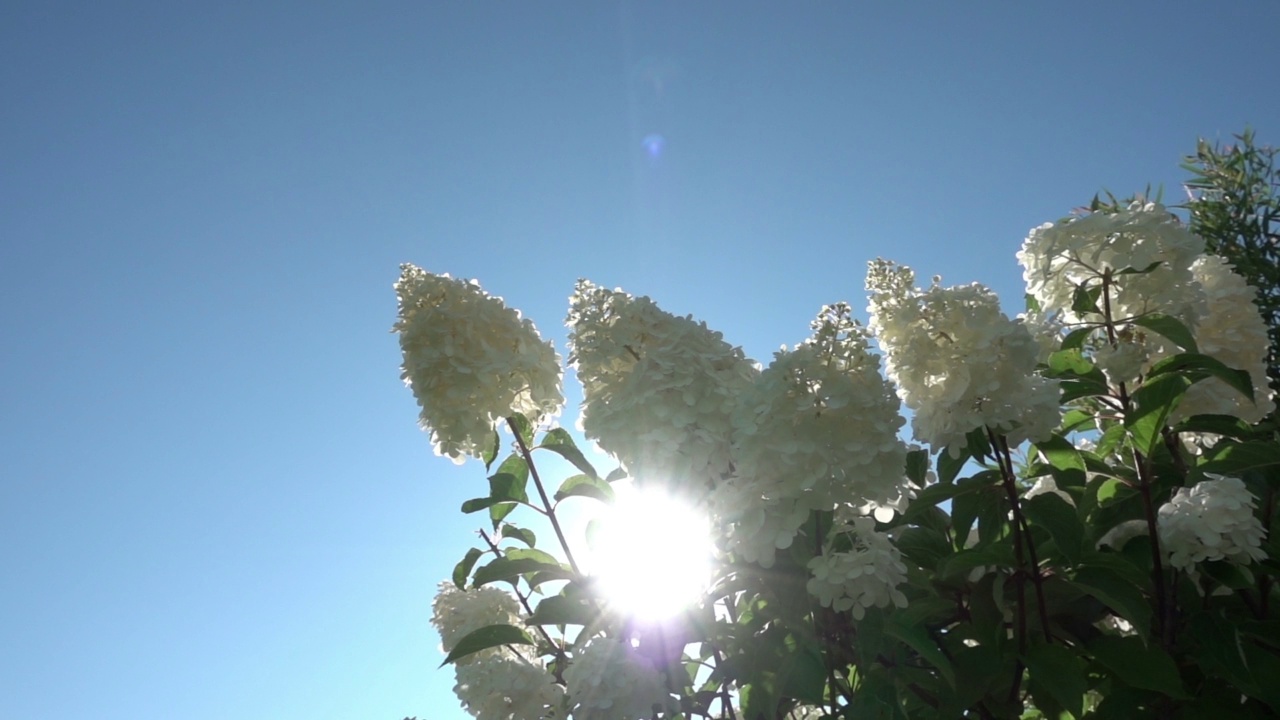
(658, 389)
(1057, 258)
(959, 362)
(471, 361)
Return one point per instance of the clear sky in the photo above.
(214, 499)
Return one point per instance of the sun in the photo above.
(652, 555)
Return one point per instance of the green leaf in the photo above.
(463, 568)
(1065, 459)
(499, 512)
(1068, 363)
(518, 533)
(477, 504)
(928, 498)
(1117, 593)
(1169, 327)
(561, 610)
(524, 428)
(918, 639)
(1110, 440)
(615, 475)
(1058, 517)
(1061, 673)
(507, 487)
(1153, 402)
(1085, 300)
(1227, 425)
(923, 546)
(803, 676)
(490, 452)
(511, 568)
(1232, 458)
(585, 486)
(487, 637)
(560, 442)
(1228, 574)
(1143, 271)
(948, 466)
(1220, 644)
(918, 466)
(1138, 664)
(1198, 367)
(972, 494)
(1075, 339)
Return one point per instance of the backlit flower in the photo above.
(658, 389)
(959, 362)
(866, 576)
(471, 361)
(610, 680)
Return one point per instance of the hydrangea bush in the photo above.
(1082, 531)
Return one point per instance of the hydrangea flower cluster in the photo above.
(1058, 257)
(658, 389)
(470, 360)
(504, 687)
(818, 428)
(959, 362)
(864, 577)
(497, 683)
(1213, 520)
(755, 527)
(455, 613)
(1233, 331)
(610, 680)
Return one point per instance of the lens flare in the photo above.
(653, 145)
(652, 555)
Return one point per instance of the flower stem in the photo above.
(542, 492)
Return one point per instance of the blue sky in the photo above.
(214, 499)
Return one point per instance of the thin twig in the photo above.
(542, 492)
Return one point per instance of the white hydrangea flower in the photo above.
(1213, 520)
(755, 527)
(1047, 485)
(504, 687)
(1125, 360)
(1058, 257)
(610, 680)
(471, 361)
(1046, 329)
(959, 362)
(821, 421)
(658, 389)
(456, 613)
(864, 577)
(1232, 331)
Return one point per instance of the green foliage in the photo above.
(487, 637)
(1235, 207)
(1058, 603)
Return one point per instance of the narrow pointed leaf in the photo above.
(487, 637)
(560, 442)
(1138, 664)
(585, 486)
(1169, 327)
(463, 568)
(1061, 673)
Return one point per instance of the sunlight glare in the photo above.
(652, 555)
